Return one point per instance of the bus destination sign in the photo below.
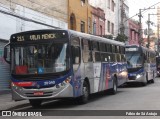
(131, 49)
(36, 37)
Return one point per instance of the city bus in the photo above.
(141, 64)
(158, 65)
(55, 64)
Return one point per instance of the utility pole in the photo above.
(140, 23)
(140, 27)
(122, 17)
(149, 31)
(158, 38)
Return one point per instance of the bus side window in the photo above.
(113, 49)
(75, 55)
(110, 48)
(75, 49)
(96, 53)
(86, 48)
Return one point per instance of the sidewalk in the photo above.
(7, 102)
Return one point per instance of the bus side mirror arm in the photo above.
(6, 53)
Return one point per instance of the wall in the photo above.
(51, 8)
(4, 68)
(82, 12)
(109, 14)
(31, 10)
(133, 32)
(98, 18)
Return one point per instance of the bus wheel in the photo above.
(35, 102)
(146, 80)
(152, 81)
(114, 89)
(85, 97)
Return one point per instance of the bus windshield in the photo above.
(134, 59)
(40, 58)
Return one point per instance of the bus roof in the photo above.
(96, 38)
(80, 34)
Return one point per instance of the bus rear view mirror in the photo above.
(7, 53)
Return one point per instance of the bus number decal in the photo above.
(49, 83)
(20, 38)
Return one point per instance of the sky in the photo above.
(135, 5)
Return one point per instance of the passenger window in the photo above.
(87, 53)
(102, 47)
(76, 54)
(97, 57)
(113, 48)
(75, 57)
(95, 46)
(116, 49)
(123, 59)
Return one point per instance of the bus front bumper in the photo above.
(20, 93)
(137, 78)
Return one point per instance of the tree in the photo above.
(121, 38)
(108, 36)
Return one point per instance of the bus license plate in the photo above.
(38, 93)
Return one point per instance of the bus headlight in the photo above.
(67, 80)
(138, 76)
(12, 84)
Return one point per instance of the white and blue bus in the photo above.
(141, 64)
(53, 64)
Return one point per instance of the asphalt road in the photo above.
(129, 97)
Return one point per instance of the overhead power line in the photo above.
(142, 11)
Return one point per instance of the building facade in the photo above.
(121, 16)
(79, 16)
(51, 13)
(109, 8)
(133, 32)
(98, 21)
(115, 12)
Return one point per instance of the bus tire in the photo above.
(35, 102)
(146, 80)
(115, 86)
(85, 96)
(152, 81)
